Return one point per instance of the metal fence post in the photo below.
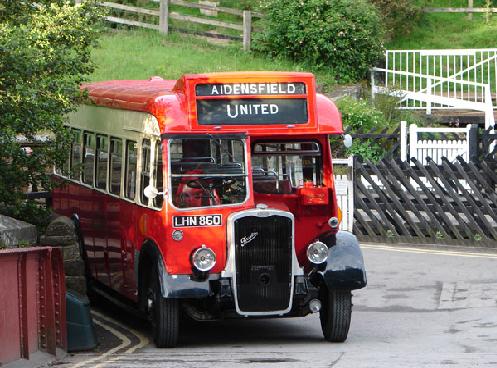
(403, 141)
(247, 29)
(428, 91)
(164, 16)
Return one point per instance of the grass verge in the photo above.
(140, 54)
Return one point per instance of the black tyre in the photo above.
(163, 314)
(336, 314)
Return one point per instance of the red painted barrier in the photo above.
(32, 302)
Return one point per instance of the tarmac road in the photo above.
(422, 308)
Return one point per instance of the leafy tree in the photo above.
(45, 51)
(399, 16)
(344, 36)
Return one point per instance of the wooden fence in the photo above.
(460, 10)
(470, 9)
(163, 15)
(388, 141)
(489, 144)
(394, 203)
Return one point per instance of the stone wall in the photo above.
(15, 233)
(61, 232)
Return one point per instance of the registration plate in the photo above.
(198, 220)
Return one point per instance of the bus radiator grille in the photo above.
(263, 256)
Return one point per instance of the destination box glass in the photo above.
(240, 89)
(252, 111)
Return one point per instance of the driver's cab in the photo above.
(208, 171)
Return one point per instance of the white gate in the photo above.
(414, 146)
(420, 148)
(344, 187)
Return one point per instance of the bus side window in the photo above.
(116, 153)
(130, 180)
(75, 164)
(145, 170)
(102, 161)
(89, 158)
(158, 175)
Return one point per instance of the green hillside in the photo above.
(448, 30)
(140, 54)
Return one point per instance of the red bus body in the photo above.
(114, 230)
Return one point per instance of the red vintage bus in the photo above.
(212, 196)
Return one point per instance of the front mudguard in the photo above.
(344, 268)
(182, 286)
(172, 286)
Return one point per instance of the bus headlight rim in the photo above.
(317, 252)
(203, 259)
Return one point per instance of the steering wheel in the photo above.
(197, 183)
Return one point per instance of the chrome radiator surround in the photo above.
(230, 270)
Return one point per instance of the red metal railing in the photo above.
(32, 302)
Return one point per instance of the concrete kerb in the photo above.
(440, 249)
(38, 360)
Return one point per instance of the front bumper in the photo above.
(217, 292)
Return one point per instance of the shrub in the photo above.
(343, 35)
(359, 116)
(44, 56)
(364, 116)
(399, 16)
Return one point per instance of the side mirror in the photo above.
(150, 192)
(347, 140)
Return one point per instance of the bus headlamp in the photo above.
(317, 252)
(203, 259)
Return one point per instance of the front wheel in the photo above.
(336, 314)
(163, 315)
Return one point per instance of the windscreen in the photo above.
(207, 171)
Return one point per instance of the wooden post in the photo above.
(489, 11)
(247, 29)
(470, 6)
(473, 144)
(164, 17)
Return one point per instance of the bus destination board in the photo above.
(248, 110)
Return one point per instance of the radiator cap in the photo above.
(262, 206)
